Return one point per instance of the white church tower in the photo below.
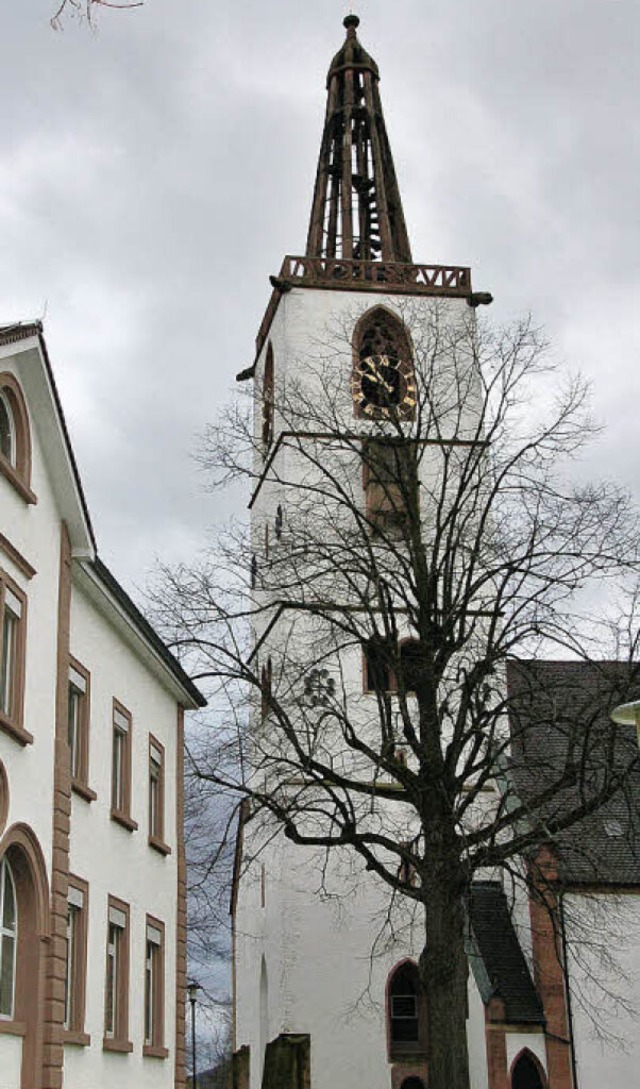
(358, 346)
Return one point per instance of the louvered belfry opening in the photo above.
(357, 212)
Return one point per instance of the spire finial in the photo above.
(351, 22)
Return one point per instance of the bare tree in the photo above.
(435, 542)
(86, 9)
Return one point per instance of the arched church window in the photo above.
(15, 441)
(406, 1012)
(383, 380)
(412, 1083)
(8, 940)
(267, 401)
(526, 1073)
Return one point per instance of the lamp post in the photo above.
(628, 714)
(192, 991)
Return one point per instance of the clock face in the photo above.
(382, 386)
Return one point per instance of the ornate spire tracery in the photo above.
(357, 212)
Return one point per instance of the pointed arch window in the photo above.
(268, 388)
(15, 439)
(526, 1072)
(8, 940)
(406, 1012)
(383, 382)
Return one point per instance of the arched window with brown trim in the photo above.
(412, 1082)
(406, 1012)
(383, 381)
(268, 392)
(15, 436)
(527, 1073)
(25, 940)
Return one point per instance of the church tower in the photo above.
(364, 387)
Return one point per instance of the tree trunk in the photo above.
(443, 973)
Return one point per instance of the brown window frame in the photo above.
(399, 1049)
(17, 470)
(12, 719)
(121, 798)
(156, 826)
(384, 490)
(76, 961)
(79, 695)
(116, 1037)
(154, 992)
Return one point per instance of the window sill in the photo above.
(122, 1047)
(14, 478)
(159, 845)
(409, 1052)
(124, 820)
(12, 1028)
(84, 791)
(151, 1052)
(22, 736)
(76, 1039)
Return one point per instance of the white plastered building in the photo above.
(92, 866)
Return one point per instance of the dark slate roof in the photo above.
(499, 949)
(560, 717)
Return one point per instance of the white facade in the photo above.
(313, 952)
(73, 849)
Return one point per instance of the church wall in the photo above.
(605, 986)
(328, 958)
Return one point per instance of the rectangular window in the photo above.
(78, 727)
(13, 609)
(156, 791)
(121, 767)
(116, 997)
(154, 989)
(387, 479)
(76, 959)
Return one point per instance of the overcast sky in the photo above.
(154, 174)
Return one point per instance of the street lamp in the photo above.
(192, 991)
(628, 714)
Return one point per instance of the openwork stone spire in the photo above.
(357, 211)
